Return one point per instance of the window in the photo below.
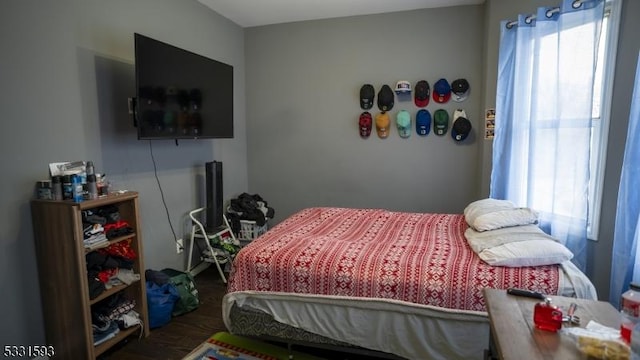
(602, 94)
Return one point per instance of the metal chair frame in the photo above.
(198, 231)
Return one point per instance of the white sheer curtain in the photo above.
(543, 116)
(625, 266)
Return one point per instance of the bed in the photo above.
(400, 283)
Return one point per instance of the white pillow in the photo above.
(480, 207)
(526, 253)
(491, 214)
(486, 239)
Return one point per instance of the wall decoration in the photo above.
(461, 125)
(489, 123)
(423, 122)
(382, 124)
(441, 91)
(460, 90)
(440, 122)
(367, 93)
(365, 123)
(403, 121)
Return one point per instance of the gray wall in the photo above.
(303, 89)
(66, 70)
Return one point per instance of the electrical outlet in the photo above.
(179, 246)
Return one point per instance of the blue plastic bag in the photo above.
(160, 302)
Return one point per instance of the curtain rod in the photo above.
(576, 4)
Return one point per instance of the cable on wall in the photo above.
(155, 172)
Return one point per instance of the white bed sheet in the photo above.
(412, 331)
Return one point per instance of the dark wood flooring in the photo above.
(176, 339)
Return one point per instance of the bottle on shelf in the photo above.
(76, 188)
(103, 184)
(92, 187)
(67, 187)
(44, 190)
(89, 168)
(56, 183)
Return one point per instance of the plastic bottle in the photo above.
(631, 300)
(76, 188)
(627, 323)
(635, 342)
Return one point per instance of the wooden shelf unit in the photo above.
(64, 287)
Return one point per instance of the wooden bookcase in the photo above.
(64, 287)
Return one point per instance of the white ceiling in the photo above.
(248, 13)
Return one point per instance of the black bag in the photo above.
(187, 291)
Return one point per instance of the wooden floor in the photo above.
(176, 339)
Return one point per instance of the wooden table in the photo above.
(514, 336)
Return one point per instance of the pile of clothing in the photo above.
(111, 315)
(224, 248)
(248, 207)
(108, 264)
(101, 225)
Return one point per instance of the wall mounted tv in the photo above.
(180, 94)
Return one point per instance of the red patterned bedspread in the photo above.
(413, 257)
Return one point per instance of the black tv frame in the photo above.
(183, 96)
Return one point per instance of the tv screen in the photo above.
(180, 94)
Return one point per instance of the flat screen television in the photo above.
(180, 94)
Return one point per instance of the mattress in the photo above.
(402, 283)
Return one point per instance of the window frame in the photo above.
(600, 125)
